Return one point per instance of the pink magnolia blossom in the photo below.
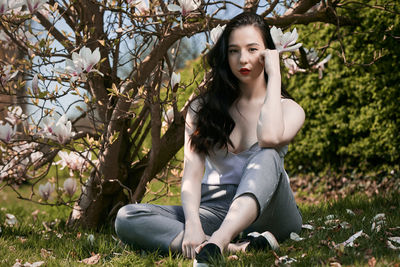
(70, 186)
(34, 5)
(6, 75)
(14, 115)
(285, 42)
(7, 132)
(74, 161)
(60, 131)
(321, 65)
(46, 190)
(81, 63)
(3, 6)
(292, 66)
(185, 6)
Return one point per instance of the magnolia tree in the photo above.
(82, 48)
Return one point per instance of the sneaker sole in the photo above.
(197, 264)
(271, 240)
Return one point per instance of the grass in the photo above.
(43, 237)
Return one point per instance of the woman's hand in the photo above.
(270, 59)
(192, 238)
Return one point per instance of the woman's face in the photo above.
(244, 47)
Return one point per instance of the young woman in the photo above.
(236, 137)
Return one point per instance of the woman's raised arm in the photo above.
(279, 121)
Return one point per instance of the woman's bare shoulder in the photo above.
(292, 106)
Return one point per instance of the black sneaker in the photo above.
(262, 241)
(209, 255)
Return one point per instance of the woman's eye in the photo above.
(231, 51)
(253, 49)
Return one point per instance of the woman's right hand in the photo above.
(192, 238)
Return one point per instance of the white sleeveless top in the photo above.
(225, 167)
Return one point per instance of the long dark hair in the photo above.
(214, 124)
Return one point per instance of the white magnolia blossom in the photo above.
(81, 64)
(6, 75)
(46, 190)
(292, 66)
(168, 116)
(74, 161)
(185, 6)
(175, 79)
(312, 56)
(285, 42)
(7, 132)
(216, 33)
(60, 131)
(141, 6)
(70, 186)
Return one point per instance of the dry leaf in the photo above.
(233, 258)
(45, 253)
(372, 262)
(92, 260)
(335, 264)
(34, 215)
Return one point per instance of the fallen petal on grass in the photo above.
(391, 246)
(296, 237)
(345, 225)
(395, 239)
(11, 220)
(285, 260)
(379, 217)
(350, 242)
(18, 263)
(307, 226)
(349, 211)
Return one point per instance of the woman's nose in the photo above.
(243, 58)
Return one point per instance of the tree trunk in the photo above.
(101, 198)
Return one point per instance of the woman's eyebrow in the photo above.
(250, 44)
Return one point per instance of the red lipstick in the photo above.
(244, 71)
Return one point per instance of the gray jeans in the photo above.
(154, 227)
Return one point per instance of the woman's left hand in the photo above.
(270, 59)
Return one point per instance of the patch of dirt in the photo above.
(316, 188)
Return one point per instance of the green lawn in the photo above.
(40, 235)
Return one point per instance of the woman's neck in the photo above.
(253, 90)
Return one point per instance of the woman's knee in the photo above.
(128, 217)
(268, 153)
